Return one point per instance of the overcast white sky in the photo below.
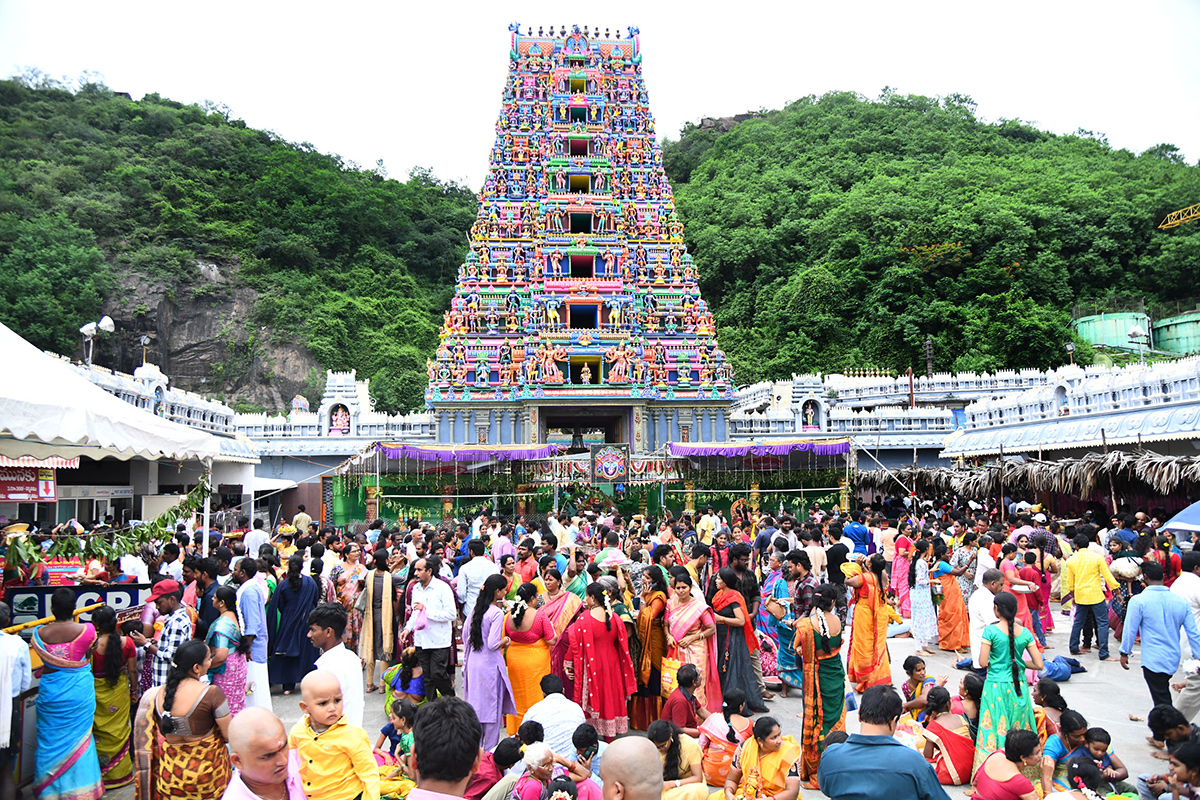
(418, 84)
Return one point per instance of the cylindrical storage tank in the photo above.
(1179, 334)
(1112, 330)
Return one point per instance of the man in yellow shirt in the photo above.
(1084, 576)
(301, 520)
(707, 526)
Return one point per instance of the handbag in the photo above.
(669, 670)
(775, 608)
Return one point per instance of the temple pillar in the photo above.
(844, 492)
(689, 497)
(754, 496)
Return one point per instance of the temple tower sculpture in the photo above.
(577, 312)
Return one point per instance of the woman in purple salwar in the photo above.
(485, 676)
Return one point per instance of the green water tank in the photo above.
(1179, 334)
(1112, 330)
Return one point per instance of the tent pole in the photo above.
(207, 504)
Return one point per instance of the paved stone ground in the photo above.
(1106, 695)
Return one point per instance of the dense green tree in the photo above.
(840, 232)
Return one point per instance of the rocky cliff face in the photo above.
(205, 338)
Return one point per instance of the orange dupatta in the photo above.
(727, 597)
(867, 663)
(953, 625)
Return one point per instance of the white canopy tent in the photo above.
(47, 409)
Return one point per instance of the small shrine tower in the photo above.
(577, 315)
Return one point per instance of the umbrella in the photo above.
(1186, 520)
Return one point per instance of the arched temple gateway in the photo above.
(577, 315)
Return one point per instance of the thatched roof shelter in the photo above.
(1139, 472)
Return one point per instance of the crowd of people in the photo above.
(571, 633)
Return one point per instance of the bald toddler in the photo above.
(336, 762)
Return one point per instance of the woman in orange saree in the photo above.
(691, 627)
(867, 663)
(952, 613)
(646, 705)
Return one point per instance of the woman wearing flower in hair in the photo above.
(530, 637)
(180, 732)
(818, 642)
(1008, 650)
(598, 661)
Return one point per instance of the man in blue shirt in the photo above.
(858, 533)
(1158, 615)
(872, 764)
(252, 611)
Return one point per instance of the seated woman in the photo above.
(1069, 742)
(966, 703)
(948, 743)
(999, 776)
(720, 735)
(916, 688)
(681, 760)
(767, 765)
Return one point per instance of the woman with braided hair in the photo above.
(1008, 650)
(181, 730)
(598, 662)
(531, 634)
(818, 642)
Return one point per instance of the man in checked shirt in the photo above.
(167, 597)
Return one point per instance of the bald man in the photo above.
(264, 768)
(632, 770)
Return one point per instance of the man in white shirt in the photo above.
(472, 574)
(436, 636)
(326, 624)
(981, 610)
(983, 560)
(558, 716)
(1187, 586)
(255, 538)
(15, 679)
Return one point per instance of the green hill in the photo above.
(839, 232)
(249, 259)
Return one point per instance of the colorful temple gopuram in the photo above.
(577, 314)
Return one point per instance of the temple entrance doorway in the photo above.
(577, 428)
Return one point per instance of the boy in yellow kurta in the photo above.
(336, 762)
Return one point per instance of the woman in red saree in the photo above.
(598, 662)
(867, 663)
(691, 627)
(948, 743)
(561, 608)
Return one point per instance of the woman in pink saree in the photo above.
(899, 582)
(690, 630)
(561, 608)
